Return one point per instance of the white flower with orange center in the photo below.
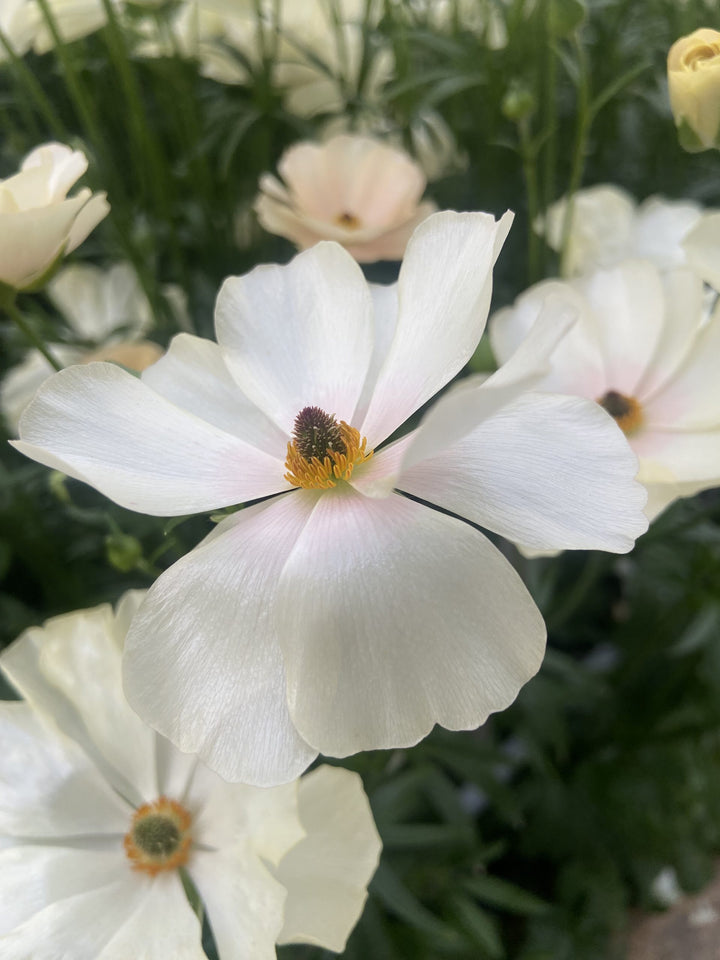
(107, 310)
(104, 825)
(644, 350)
(341, 615)
(361, 192)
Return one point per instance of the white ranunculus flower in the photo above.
(645, 350)
(354, 189)
(99, 815)
(105, 307)
(74, 19)
(702, 249)
(342, 615)
(607, 226)
(39, 223)
(14, 27)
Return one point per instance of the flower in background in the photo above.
(101, 821)
(693, 67)
(14, 28)
(607, 226)
(105, 308)
(358, 191)
(342, 615)
(39, 223)
(644, 350)
(486, 18)
(73, 19)
(702, 249)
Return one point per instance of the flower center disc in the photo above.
(626, 411)
(159, 837)
(322, 450)
(347, 220)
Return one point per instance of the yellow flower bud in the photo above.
(694, 81)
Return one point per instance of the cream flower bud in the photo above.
(39, 223)
(694, 82)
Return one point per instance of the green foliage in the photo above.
(528, 839)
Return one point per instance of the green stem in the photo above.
(582, 133)
(594, 568)
(20, 321)
(26, 78)
(528, 153)
(550, 152)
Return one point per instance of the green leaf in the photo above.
(505, 896)
(479, 926)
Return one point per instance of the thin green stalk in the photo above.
(550, 103)
(36, 93)
(582, 134)
(528, 154)
(22, 324)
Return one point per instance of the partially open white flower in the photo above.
(646, 352)
(14, 27)
(100, 818)
(74, 19)
(342, 615)
(361, 192)
(607, 226)
(105, 307)
(39, 223)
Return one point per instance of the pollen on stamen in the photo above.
(159, 838)
(323, 450)
(626, 411)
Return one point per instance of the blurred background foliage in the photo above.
(531, 838)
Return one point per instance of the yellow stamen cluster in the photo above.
(159, 838)
(321, 473)
(626, 411)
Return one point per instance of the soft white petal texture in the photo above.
(69, 669)
(326, 874)
(688, 456)
(549, 472)
(385, 309)
(690, 400)
(31, 239)
(48, 788)
(161, 927)
(97, 302)
(32, 876)
(659, 229)
(81, 926)
(193, 376)
(267, 818)
(444, 293)
(299, 335)
(702, 248)
(19, 384)
(95, 210)
(628, 302)
(393, 617)
(244, 903)
(202, 663)
(102, 425)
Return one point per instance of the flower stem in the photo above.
(20, 321)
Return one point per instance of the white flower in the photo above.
(106, 308)
(345, 617)
(608, 226)
(74, 19)
(358, 191)
(693, 69)
(99, 815)
(39, 223)
(702, 249)
(14, 27)
(645, 350)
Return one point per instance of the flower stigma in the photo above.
(626, 411)
(323, 450)
(159, 837)
(348, 220)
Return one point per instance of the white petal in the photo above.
(202, 663)
(327, 874)
(266, 818)
(162, 926)
(193, 376)
(97, 302)
(444, 294)
(629, 306)
(20, 383)
(244, 902)
(702, 248)
(31, 239)
(48, 788)
(102, 425)
(549, 472)
(95, 210)
(385, 310)
(393, 617)
(77, 927)
(299, 335)
(32, 877)
(688, 456)
(70, 670)
(659, 228)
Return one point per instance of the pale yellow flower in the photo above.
(694, 84)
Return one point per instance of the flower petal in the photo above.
(244, 903)
(686, 456)
(702, 248)
(102, 425)
(48, 787)
(31, 239)
(193, 376)
(393, 617)
(321, 304)
(202, 663)
(548, 472)
(327, 874)
(69, 669)
(444, 294)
